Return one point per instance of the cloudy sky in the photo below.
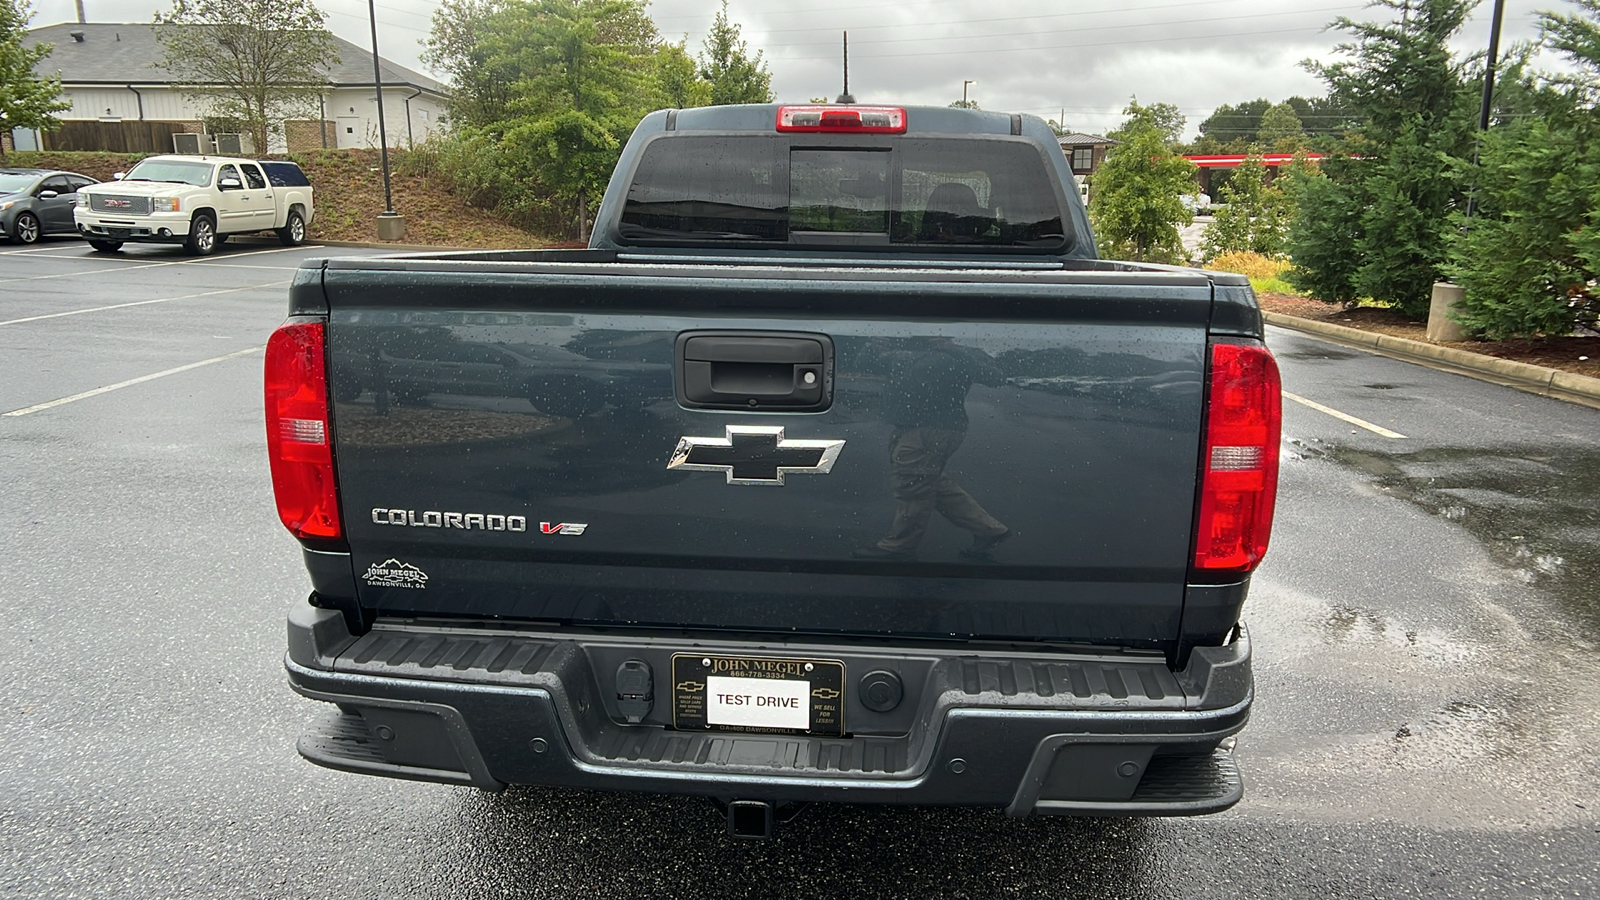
(1086, 57)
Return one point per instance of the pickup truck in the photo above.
(836, 468)
(196, 201)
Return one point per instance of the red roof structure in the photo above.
(1234, 160)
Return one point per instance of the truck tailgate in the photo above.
(504, 434)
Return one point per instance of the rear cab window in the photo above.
(935, 194)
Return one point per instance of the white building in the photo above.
(122, 99)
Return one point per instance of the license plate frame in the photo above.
(692, 709)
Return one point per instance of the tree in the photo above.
(1281, 131)
(1135, 205)
(255, 61)
(583, 79)
(1230, 123)
(964, 104)
(1377, 227)
(1232, 128)
(26, 100)
(678, 78)
(456, 46)
(1255, 218)
(725, 62)
(1530, 257)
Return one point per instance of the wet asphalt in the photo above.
(1426, 629)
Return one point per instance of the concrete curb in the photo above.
(1540, 380)
(369, 245)
(375, 245)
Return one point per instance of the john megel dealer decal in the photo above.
(392, 573)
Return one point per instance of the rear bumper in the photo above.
(1060, 733)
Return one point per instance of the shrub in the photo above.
(1267, 274)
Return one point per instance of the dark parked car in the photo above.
(37, 202)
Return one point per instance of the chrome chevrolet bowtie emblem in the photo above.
(755, 454)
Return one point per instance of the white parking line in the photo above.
(36, 250)
(1345, 417)
(92, 309)
(51, 404)
(171, 262)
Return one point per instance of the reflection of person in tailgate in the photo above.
(926, 402)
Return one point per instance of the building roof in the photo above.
(1234, 160)
(1070, 139)
(117, 54)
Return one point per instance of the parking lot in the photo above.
(1426, 630)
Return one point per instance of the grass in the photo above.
(1266, 273)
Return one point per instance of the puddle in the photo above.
(1352, 625)
(1463, 731)
(1537, 512)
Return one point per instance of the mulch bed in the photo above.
(1580, 355)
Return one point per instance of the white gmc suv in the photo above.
(196, 201)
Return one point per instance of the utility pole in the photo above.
(82, 19)
(391, 227)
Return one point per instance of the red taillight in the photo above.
(1239, 472)
(298, 438)
(853, 119)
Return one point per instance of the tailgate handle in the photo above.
(755, 370)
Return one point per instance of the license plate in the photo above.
(119, 232)
(762, 694)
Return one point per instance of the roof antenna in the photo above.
(845, 97)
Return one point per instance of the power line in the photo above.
(896, 7)
(1190, 37)
(1074, 30)
(1085, 29)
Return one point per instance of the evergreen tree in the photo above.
(1530, 257)
(26, 100)
(1135, 205)
(1377, 227)
(725, 62)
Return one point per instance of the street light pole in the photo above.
(964, 90)
(1488, 101)
(1488, 71)
(391, 226)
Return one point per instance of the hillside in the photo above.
(349, 196)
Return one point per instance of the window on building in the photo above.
(1082, 159)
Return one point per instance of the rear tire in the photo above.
(293, 232)
(202, 240)
(27, 229)
(106, 246)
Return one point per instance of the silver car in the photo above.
(37, 202)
